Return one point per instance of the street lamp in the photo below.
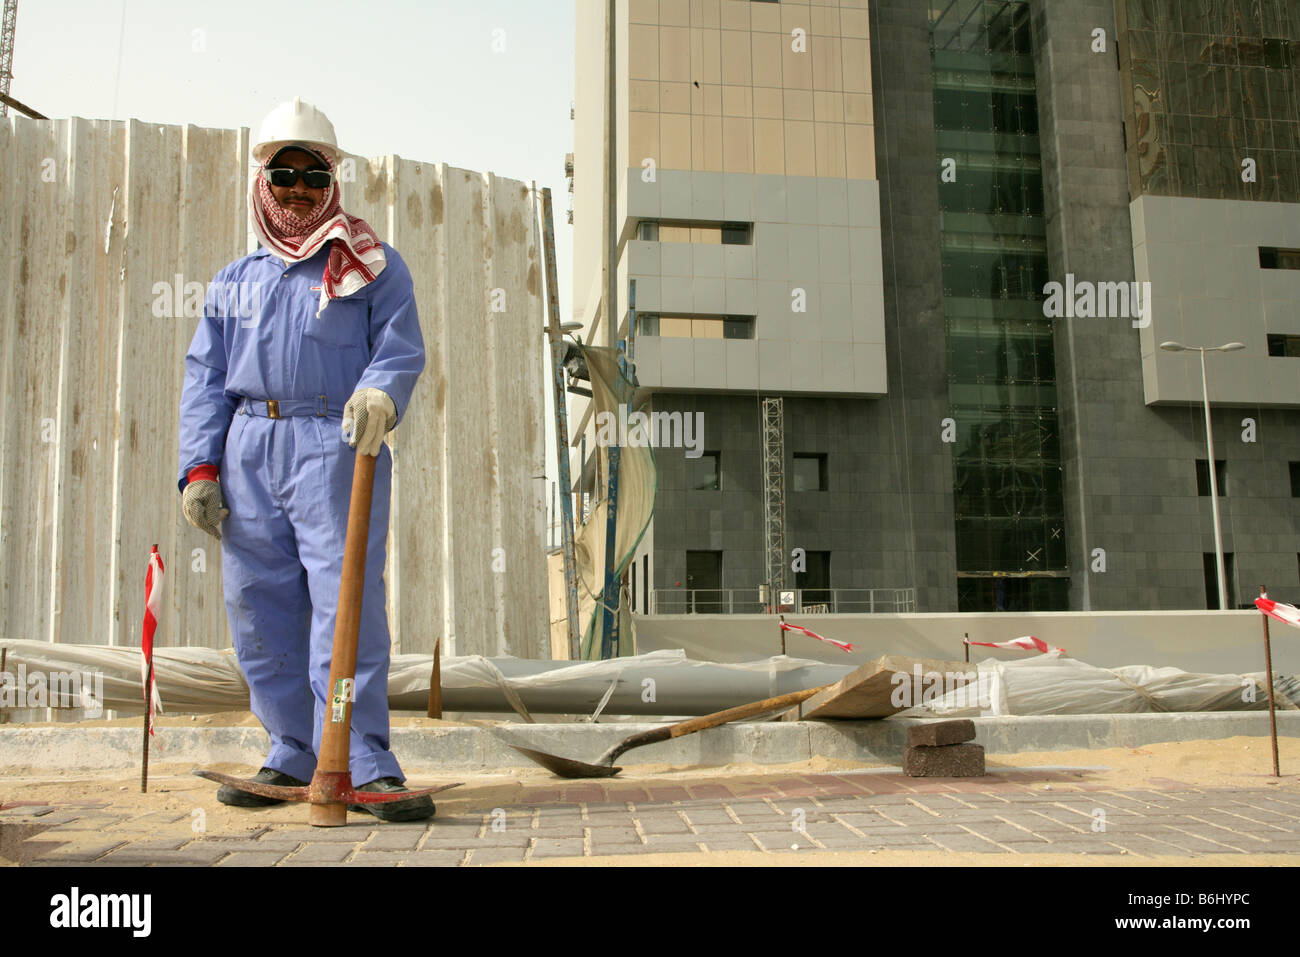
(1209, 445)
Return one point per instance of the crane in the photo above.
(7, 51)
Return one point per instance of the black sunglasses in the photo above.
(314, 178)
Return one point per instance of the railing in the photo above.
(807, 601)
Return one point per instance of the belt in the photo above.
(283, 408)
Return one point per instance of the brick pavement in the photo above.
(813, 813)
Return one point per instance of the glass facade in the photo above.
(1008, 502)
(1210, 85)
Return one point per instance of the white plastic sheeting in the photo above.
(1050, 684)
(201, 680)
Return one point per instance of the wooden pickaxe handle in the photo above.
(339, 694)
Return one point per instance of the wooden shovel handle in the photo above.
(692, 725)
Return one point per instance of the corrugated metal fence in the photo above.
(102, 223)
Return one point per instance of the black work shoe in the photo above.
(228, 794)
(412, 809)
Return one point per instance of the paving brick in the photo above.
(661, 794)
(516, 837)
(735, 842)
(544, 847)
(272, 844)
(964, 841)
(496, 855)
(398, 839)
(1146, 846)
(376, 859)
(323, 853)
(663, 825)
(560, 832)
(251, 859)
(669, 841)
(833, 840)
(755, 813)
(708, 816)
(349, 834)
(1005, 833)
(1081, 847)
(618, 850)
(939, 733)
(84, 851)
(898, 842)
(435, 859)
(198, 856)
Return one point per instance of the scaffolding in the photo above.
(774, 499)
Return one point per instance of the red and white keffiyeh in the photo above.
(1025, 643)
(356, 257)
(842, 645)
(1282, 612)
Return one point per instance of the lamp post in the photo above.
(1209, 446)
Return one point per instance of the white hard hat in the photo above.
(294, 124)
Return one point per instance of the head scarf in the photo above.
(355, 258)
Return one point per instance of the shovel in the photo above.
(604, 766)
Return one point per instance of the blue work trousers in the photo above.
(287, 483)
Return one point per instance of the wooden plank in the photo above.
(883, 687)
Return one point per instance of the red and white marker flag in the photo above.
(1027, 643)
(1289, 614)
(842, 645)
(153, 580)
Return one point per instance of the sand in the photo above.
(1243, 762)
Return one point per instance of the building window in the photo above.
(1295, 479)
(809, 472)
(705, 472)
(680, 326)
(1212, 580)
(814, 583)
(1271, 257)
(695, 231)
(1287, 346)
(1220, 477)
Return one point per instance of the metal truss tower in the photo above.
(774, 498)
(7, 50)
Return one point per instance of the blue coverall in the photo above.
(287, 483)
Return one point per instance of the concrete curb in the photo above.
(470, 748)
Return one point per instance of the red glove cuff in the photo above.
(208, 472)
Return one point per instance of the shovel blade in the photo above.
(567, 767)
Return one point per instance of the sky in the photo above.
(484, 85)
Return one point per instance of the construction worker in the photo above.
(316, 356)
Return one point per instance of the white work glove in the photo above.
(204, 507)
(369, 415)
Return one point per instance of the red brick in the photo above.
(935, 734)
(949, 761)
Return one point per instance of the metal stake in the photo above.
(1268, 666)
